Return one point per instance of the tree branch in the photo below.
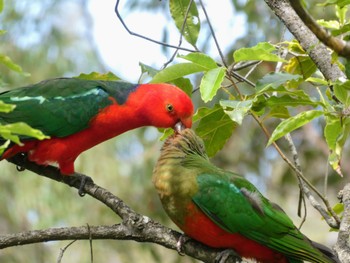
(338, 45)
(134, 227)
(310, 43)
(342, 246)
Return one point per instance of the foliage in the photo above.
(296, 93)
(10, 132)
(272, 82)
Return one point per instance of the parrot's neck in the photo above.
(108, 124)
(176, 184)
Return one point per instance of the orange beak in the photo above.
(187, 122)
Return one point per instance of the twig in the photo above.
(60, 256)
(144, 37)
(181, 35)
(213, 34)
(302, 186)
(90, 241)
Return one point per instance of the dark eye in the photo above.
(169, 107)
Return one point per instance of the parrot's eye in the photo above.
(169, 107)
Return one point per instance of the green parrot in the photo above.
(223, 210)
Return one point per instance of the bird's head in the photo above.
(167, 106)
(186, 143)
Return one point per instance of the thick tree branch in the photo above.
(134, 227)
(310, 43)
(338, 45)
(342, 246)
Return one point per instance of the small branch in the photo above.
(213, 34)
(342, 247)
(181, 36)
(60, 256)
(134, 227)
(144, 37)
(339, 46)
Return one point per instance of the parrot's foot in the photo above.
(82, 179)
(182, 240)
(224, 255)
(21, 159)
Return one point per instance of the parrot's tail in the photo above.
(327, 252)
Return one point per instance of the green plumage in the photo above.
(63, 106)
(184, 174)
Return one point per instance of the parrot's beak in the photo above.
(179, 126)
(183, 124)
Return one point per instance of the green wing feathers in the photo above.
(63, 106)
(238, 207)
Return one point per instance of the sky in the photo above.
(122, 52)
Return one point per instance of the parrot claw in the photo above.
(82, 179)
(21, 157)
(182, 240)
(224, 255)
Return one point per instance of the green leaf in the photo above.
(11, 132)
(318, 81)
(341, 93)
(201, 60)
(301, 65)
(336, 133)
(177, 71)
(293, 123)
(184, 84)
(6, 107)
(274, 81)
(214, 127)
(7, 61)
(288, 100)
(211, 82)
(239, 109)
(262, 51)
(2, 31)
(330, 24)
(342, 30)
(98, 76)
(347, 69)
(179, 9)
(340, 3)
(148, 69)
(332, 132)
(278, 112)
(338, 208)
(4, 146)
(1, 5)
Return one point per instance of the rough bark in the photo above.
(342, 246)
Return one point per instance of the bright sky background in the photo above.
(123, 52)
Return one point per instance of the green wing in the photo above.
(63, 106)
(238, 207)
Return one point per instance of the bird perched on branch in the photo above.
(78, 114)
(223, 210)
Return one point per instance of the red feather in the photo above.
(147, 106)
(212, 235)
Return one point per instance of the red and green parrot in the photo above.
(223, 210)
(78, 114)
